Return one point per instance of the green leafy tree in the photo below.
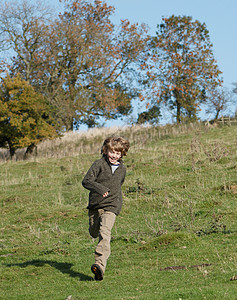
(24, 115)
(185, 65)
(150, 116)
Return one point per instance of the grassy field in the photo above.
(176, 237)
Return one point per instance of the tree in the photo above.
(94, 63)
(23, 27)
(185, 65)
(235, 92)
(85, 66)
(218, 99)
(24, 115)
(150, 116)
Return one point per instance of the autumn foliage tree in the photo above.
(185, 66)
(24, 115)
(85, 65)
(89, 69)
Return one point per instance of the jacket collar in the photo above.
(105, 157)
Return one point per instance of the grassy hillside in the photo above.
(175, 237)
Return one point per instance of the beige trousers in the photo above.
(101, 223)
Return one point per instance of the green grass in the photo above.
(175, 238)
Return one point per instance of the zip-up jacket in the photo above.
(99, 179)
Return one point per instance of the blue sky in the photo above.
(220, 17)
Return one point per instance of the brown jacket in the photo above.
(99, 180)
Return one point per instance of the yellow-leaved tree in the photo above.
(24, 115)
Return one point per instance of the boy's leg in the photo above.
(102, 251)
(94, 223)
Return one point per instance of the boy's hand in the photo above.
(105, 194)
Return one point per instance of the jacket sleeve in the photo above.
(124, 175)
(89, 181)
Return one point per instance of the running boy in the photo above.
(104, 180)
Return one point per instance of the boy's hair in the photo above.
(115, 144)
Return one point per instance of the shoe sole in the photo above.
(97, 271)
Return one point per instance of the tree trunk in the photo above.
(32, 149)
(217, 115)
(12, 152)
(69, 125)
(178, 114)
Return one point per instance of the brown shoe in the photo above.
(96, 269)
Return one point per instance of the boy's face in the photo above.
(114, 156)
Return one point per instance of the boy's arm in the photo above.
(124, 175)
(89, 181)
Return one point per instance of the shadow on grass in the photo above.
(65, 268)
